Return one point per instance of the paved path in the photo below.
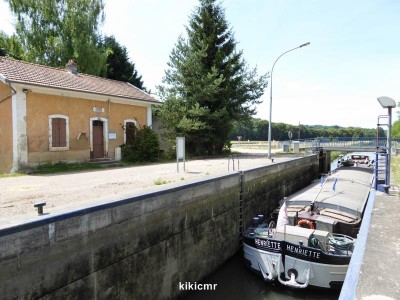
(380, 273)
(67, 191)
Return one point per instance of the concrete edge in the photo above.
(349, 288)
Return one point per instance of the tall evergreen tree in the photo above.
(208, 85)
(52, 32)
(119, 66)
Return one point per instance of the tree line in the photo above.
(257, 130)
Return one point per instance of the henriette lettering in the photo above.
(303, 251)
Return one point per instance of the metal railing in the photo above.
(232, 158)
(344, 144)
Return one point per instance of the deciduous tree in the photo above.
(52, 32)
(396, 130)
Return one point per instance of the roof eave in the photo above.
(155, 102)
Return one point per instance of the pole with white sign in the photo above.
(180, 152)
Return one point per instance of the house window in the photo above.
(58, 132)
(130, 131)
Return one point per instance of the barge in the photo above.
(309, 240)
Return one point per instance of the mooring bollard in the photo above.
(39, 206)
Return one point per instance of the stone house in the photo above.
(51, 115)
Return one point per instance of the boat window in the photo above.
(340, 244)
(314, 242)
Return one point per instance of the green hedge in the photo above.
(145, 146)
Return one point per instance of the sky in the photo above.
(353, 57)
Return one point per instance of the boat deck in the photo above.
(346, 190)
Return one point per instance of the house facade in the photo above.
(53, 115)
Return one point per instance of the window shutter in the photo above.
(59, 132)
(63, 132)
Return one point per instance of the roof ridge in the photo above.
(31, 63)
(33, 73)
(66, 71)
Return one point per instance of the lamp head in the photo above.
(387, 102)
(305, 44)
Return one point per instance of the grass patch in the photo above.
(7, 175)
(160, 181)
(64, 167)
(395, 166)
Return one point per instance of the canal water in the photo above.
(236, 282)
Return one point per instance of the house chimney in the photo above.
(2, 53)
(72, 67)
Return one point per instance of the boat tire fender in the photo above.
(306, 223)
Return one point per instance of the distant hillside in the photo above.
(257, 130)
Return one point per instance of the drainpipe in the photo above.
(109, 113)
(108, 126)
(3, 79)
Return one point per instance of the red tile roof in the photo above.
(23, 72)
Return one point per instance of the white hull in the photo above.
(309, 273)
(262, 261)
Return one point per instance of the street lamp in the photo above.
(270, 102)
(388, 103)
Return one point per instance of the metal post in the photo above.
(389, 146)
(388, 103)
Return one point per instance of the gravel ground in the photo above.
(66, 191)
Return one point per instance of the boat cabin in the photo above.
(301, 236)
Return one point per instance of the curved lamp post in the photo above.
(270, 102)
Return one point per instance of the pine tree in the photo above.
(118, 65)
(208, 85)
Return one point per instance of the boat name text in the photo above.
(268, 244)
(302, 251)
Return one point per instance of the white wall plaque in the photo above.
(98, 109)
(112, 135)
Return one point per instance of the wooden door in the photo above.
(98, 139)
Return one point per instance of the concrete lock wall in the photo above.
(142, 247)
(264, 187)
